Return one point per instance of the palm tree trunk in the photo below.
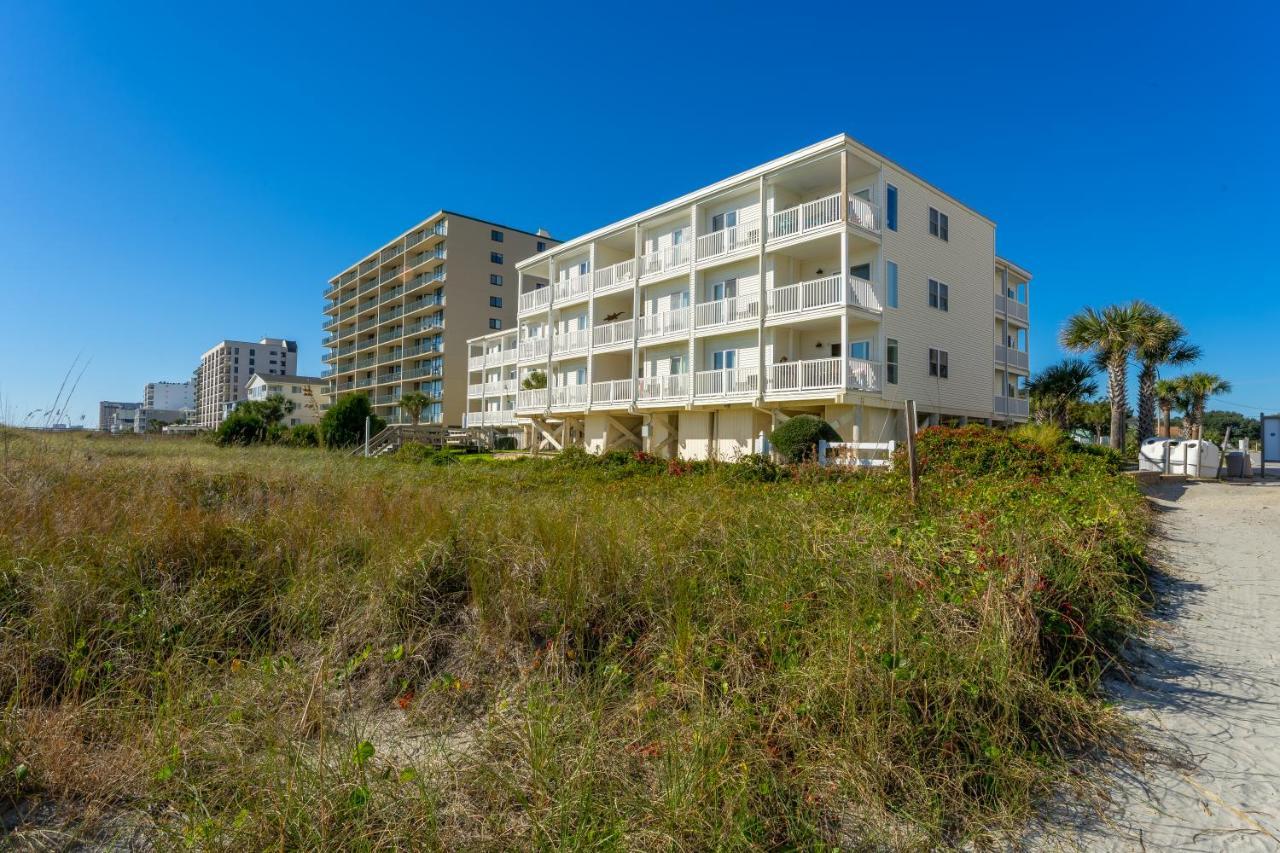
(1146, 401)
(1167, 411)
(1116, 388)
(1200, 418)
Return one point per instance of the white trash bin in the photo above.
(1151, 453)
(1195, 458)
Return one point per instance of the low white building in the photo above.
(307, 393)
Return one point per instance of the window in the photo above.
(726, 289)
(891, 283)
(891, 207)
(938, 223)
(495, 323)
(677, 237)
(724, 359)
(939, 295)
(295, 389)
(495, 301)
(496, 279)
(938, 363)
(496, 257)
(495, 236)
(721, 221)
(860, 349)
(677, 365)
(862, 271)
(542, 245)
(891, 361)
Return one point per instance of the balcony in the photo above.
(391, 252)
(664, 324)
(435, 321)
(1012, 308)
(394, 293)
(1016, 359)
(533, 348)
(387, 357)
(476, 362)
(386, 399)
(475, 389)
(364, 382)
(495, 417)
(573, 288)
(820, 213)
(569, 396)
(729, 241)
(822, 294)
(367, 361)
(570, 342)
(419, 372)
(729, 382)
(531, 398)
(611, 394)
(726, 312)
(535, 300)
(823, 375)
(1014, 407)
(665, 262)
(609, 335)
(365, 325)
(616, 277)
(391, 335)
(674, 386)
(499, 387)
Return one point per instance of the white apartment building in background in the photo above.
(169, 396)
(830, 281)
(225, 370)
(399, 319)
(309, 395)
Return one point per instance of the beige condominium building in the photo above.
(225, 370)
(398, 320)
(830, 281)
(308, 394)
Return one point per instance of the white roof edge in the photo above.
(1022, 271)
(823, 147)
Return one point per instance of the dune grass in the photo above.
(265, 647)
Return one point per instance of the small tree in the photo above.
(343, 424)
(1054, 390)
(244, 426)
(413, 403)
(797, 439)
(535, 380)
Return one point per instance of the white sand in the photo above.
(1207, 688)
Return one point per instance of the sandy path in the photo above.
(1207, 689)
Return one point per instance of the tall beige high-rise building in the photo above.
(225, 370)
(398, 320)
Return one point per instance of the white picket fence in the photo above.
(857, 454)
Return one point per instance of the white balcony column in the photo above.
(591, 320)
(693, 296)
(844, 266)
(844, 200)
(635, 319)
(762, 262)
(548, 324)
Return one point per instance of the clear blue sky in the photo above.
(172, 174)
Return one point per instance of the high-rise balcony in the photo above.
(664, 324)
(570, 342)
(617, 334)
(820, 213)
(727, 383)
(726, 312)
(822, 294)
(664, 262)
(729, 241)
(653, 389)
(531, 399)
(1015, 358)
(823, 375)
(535, 300)
(569, 396)
(611, 394)
(616, 277)
(1012, 308)
(573, 288)
(533, 348)
(1014, 407)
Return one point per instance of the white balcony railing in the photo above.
(1012, 308)
(1015, 358)
(531, 398)
(806, 217)
(574, 287)
(535, 300)
(822, 293)
(665, 260)
(729, 382)
(574, 340)
(864, 214)
(671, 387)
(613, 393)
(531, 348)
(824, 374)
(493, 417)
(497, 388)
(727, 241)
(725, 311)
(475, 389)
(573, 396)
(664, 323)
(1012, 406)
(612, 334)
(618, 276)
(476, 362)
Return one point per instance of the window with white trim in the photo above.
(938, 363)
(939, 295)
(938, 224)
(891, 361)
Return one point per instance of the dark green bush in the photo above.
(416, 452)
(343, 424)
(303, 435)
(797, 439)
(241, 428)
(756, 468)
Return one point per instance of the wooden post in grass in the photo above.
(911, 449)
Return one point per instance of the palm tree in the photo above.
(413, 403)
(1111, 335)
(1198, 388)
(1168, 396)
(1161, 340)
(1054, 389)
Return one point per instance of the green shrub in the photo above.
(797, 439)
(417, 452)
(343, 424)
(1046, 435)
(303, 435)
(241, 428)
(755, 468)
(505, 442)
